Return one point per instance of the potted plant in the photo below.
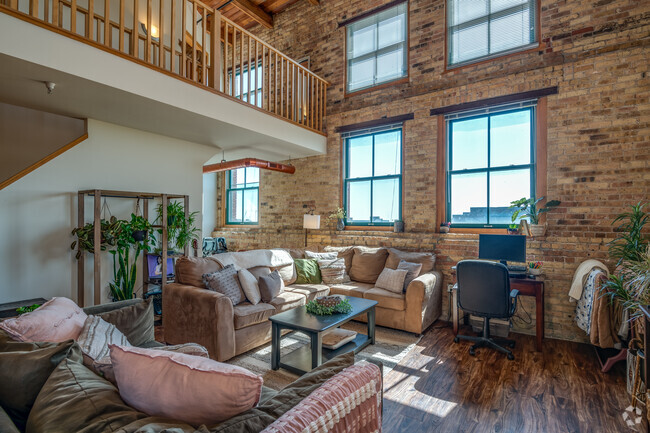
(513, 229)
(110, 232)
(180, 228)
(398, 226)
(528, 208)
(444, 227)
(339, 216)
(140, 227)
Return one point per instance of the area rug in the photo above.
(390, 347)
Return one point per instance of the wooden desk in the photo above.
(526, 287)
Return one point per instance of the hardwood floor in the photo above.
(439, 387)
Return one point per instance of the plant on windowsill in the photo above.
(513, 229)
(528, 207)
(444, 227)
(398, 226)
(339, 216)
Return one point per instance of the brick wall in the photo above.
(596, 52)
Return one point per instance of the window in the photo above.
(490, 163)
(478, 29)
(377, 48)
(256, 89)
(373, 177)
(242, 196)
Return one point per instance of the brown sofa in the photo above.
(192, 313)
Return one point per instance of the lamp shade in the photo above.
(311, 222)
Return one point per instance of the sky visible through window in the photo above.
(510, 135)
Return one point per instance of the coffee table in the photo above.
(305, 359)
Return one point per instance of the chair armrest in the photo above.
(195, 315)
(423, 301)
(6, 424)
(352, 397)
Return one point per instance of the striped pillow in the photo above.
(333, 271)
(96, 335)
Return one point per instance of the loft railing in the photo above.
(180, 37)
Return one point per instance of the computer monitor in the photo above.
(502, 247)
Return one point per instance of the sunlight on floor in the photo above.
(425, 403)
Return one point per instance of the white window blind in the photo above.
(377, 48)
(479, 29)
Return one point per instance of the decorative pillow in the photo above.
(136, 322)
(428, 260)
(343, 253)
(392, 280)
(288, 274)
(226, 282)
(270, 286)
(367, 265)
(183, 387)
(250, 286)
(333, 271)
(57, 320)
(308, 271)
(323, 256)
(413, 270)
(95, 337)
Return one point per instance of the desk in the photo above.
(526, 287)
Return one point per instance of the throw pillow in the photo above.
(250, 286)
(24, 369)
(333, 271)
(226, 282)
(413, 270)
(195, 390)
(308, 271)
(367, 264)
(343, 252)
(270, 286)
(57, 320)
(136, 322)
(428, 260)
(288, 274)
(95, 337)
(392, 280)
(324, 256)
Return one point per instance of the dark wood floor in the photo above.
(439, 387)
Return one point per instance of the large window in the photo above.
(490, 163)
(373, 177)
(242, 196)
(478, 29)
(377, 48)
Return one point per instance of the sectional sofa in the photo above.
(192, 313)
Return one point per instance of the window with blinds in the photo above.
(377, 48)
(481, 29)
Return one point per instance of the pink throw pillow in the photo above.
(183, 387)
(57, 320)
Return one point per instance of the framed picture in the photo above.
(154, 264)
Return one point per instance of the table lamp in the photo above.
(310, 221)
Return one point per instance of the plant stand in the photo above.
(98, 194)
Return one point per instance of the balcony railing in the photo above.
(191, 41)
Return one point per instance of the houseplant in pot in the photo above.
(140, 228)
(339, 216)
(528, 208)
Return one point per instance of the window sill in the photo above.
(524, 50)
(240, 226)
(377, 87)
(477, 230)
(369, 228)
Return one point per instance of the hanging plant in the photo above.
(110, 231)
(180, 229)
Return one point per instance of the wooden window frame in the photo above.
(383, 84)
(226, 193)
(532, 47)
(540, 123)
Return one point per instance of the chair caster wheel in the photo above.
(511, 356)
(511, 345)
(472, 352)
(456, 339)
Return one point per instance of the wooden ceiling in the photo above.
(249, 13)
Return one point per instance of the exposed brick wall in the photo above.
(596, 52)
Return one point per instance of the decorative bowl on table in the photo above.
(328, 305)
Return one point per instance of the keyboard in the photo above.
(516, 269)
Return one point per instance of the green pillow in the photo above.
(308, 271)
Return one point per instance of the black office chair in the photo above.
(484, 291)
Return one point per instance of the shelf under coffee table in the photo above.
(306, 358)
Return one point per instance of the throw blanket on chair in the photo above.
(276, 258)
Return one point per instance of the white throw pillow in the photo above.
(288, 274)
(333, 271)
(95, 337)
(321, 256)
(392, 280)
(250, 286)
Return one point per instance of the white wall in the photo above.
(38, 211)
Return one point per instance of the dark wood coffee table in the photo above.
(303, 360)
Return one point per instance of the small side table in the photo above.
(9, 309)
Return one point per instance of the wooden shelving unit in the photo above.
(98, 195)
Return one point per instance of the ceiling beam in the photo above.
(255, 12)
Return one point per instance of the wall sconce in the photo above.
(310, 221)
(154, 31)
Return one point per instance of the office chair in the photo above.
(484, 291)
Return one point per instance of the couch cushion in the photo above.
(287, 301)
(288, 273)
(190, 270)
(366, 265)
(387, 299)
(309, 291)
(136, 322)
(354, 288)
(24, 369)
(428, 260)
(247, 314)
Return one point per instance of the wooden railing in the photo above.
(179, 37)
